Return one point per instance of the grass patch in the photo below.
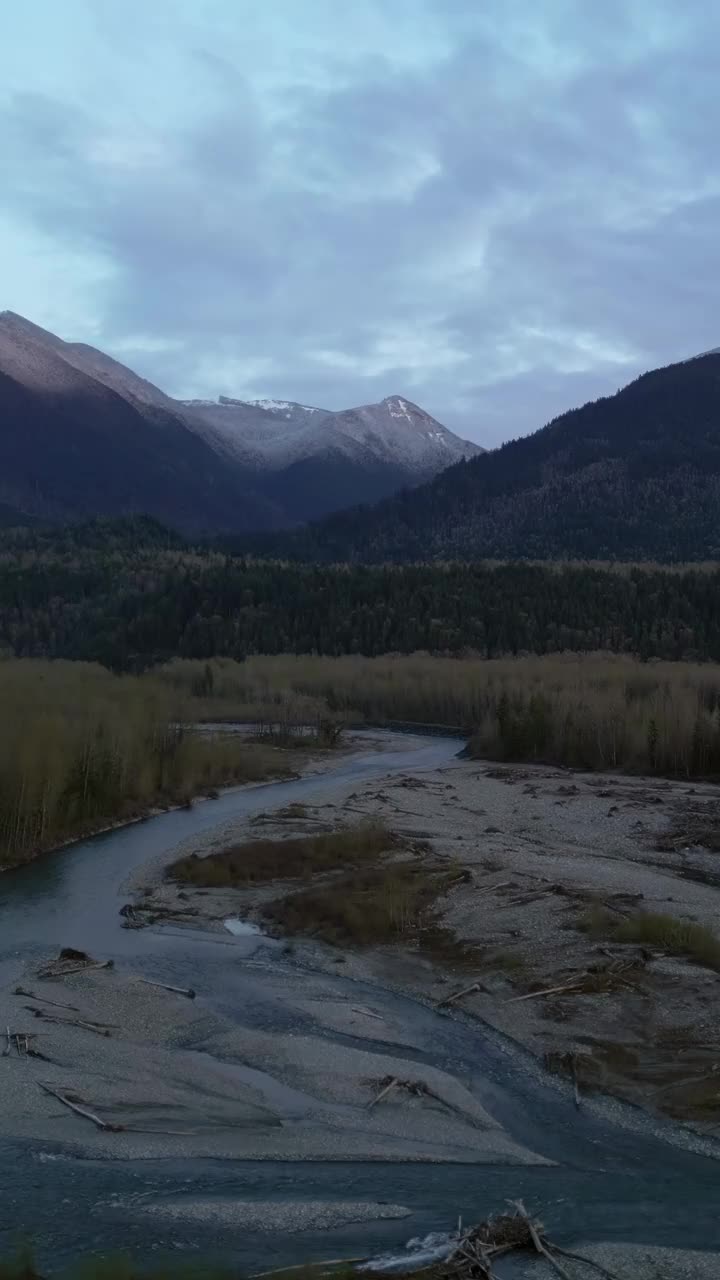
(654, 929)
(443, 947)
(366, 907)
(597, 922)
(697, 827)
(678, 937)
(506, 962)
(261, 861)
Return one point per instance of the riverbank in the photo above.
(259, 762)
(289, 1042)
(167, 1076)
(255, 763)
(623, 1262)
(594, 889)
(170, 1076)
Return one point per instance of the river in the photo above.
(616, 1176)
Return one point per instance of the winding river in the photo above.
(616, 1175)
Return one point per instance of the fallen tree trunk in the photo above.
(383, 1093)
(368, 1013)
(179, 991)
(97, 1027)
(548, 991)
(539, 1243)
(62, 971)
(57, 1004)
(82, 1111)
(458, 995)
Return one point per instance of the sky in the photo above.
(499, 210)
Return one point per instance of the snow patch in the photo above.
(271, 434)
(287, 405)
(401, 410)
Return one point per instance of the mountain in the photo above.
(81, 435)
(311, 461)
(258, 434)
(633, 476)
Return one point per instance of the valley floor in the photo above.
(286, 1054)
(563, 871)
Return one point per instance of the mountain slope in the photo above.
(81, 435)
(631, 476)
(259, 434)
(311, 461)
(396, 432)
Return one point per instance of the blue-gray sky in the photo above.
(497, 209)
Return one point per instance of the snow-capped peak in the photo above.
(270, 434)
(288, 407)
(397, 408)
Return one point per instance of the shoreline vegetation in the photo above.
(583, 711)
(84, 749)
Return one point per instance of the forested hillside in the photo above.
(130, 594)
(634, 476)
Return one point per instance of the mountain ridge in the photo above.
(200, 465)
(632, 476)
(73, 444)
(279, 432)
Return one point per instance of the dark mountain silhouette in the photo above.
(80, 435)
(633, 476)
(83, 435)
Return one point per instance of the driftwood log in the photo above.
(59, 970)
(548, 991)
(165, 986)
(99, 1028)
(458, 995)
(82, 1110)
(57, 1004)
(416, 1089)
(391, 1084)
(368, 1013)
(540, 1246)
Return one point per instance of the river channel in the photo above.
(615, 1174)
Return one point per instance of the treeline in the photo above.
(128, 595)
(588, 712)
(82, 748)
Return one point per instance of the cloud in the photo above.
(502, 210)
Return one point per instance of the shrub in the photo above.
(679, 937)
(260, 861)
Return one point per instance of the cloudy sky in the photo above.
(497, 209)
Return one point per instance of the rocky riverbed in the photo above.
(285, 1052)
(558, 869)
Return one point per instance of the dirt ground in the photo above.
(557, 863)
